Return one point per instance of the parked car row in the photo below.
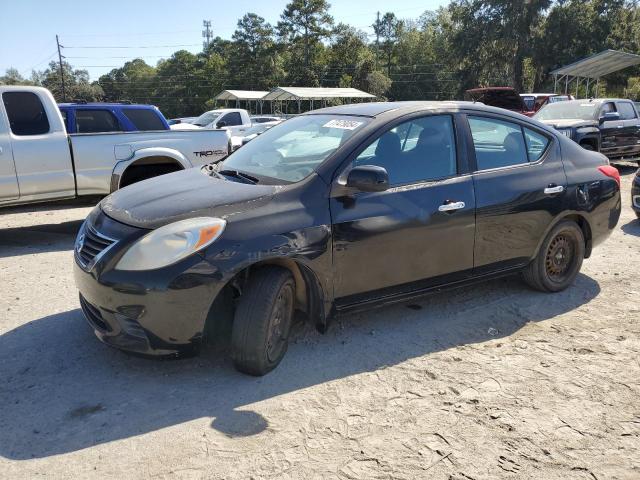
(506, 97)
(610, 125)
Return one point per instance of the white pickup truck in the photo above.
(39, 161)
(234, 120)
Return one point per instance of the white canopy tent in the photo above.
(592, 68)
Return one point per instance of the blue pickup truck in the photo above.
(111, 117)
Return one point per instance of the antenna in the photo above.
(207, 34)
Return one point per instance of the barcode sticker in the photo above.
(343, 124)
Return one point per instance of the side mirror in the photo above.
(221, 124)
(610, 117)
(368, 178)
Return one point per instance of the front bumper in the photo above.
(159, 312)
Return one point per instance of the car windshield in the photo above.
(206, 118)
(291, 151)
(568, 110)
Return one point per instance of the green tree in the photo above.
(389, 28)
(303, 26)
(76, 82)
(253, 61)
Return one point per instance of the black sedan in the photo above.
(341, 208)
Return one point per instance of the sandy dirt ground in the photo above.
(491, 381)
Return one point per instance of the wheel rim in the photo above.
(560, 258)
(279, 323)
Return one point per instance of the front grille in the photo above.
(91, 245)
(93, 316)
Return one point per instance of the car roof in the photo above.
(104, 104)
(375, 109)
(544, 95)
(596, 100)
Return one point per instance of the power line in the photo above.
(103, 47)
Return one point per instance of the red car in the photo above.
(506, 97)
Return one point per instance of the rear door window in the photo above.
(626, 110)
(144, 119)
(497, 143)
(26, 113)
(96, 121)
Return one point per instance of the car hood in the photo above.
(570, 123)
(181, 195)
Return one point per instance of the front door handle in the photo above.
(451, 207)
(551, 189)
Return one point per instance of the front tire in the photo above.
(262, 321)
(559, 259)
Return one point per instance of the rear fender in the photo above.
(164, 155)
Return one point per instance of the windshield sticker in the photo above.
(342, 124)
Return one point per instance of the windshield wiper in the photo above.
(236, 173)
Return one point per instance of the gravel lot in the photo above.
(492, 381)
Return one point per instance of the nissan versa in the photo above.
(337, 209)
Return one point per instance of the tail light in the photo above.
(611, 172)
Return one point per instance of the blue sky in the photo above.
(148, 29)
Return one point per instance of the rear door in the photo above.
(630, 132)
(422, 227)
(519, 184)
(611, 131)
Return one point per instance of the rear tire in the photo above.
(559, 259)
(262, 321)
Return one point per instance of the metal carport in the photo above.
(592, 69)
(311, 94)
(241, 95)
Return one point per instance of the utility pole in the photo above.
(207, 34)
(64, 95)
(377, 38)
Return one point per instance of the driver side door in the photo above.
(409, 236)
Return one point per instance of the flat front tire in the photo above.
(559, 259)
(262, 321)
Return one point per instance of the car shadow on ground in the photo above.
(27, 240)
(632, 228)
(62, 391)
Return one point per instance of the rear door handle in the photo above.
(551, 189)
(451, 207)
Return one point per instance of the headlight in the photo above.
(171, 243)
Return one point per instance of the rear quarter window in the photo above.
(537, 144)
(26, 113)
(144, 119)
(96, 121)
